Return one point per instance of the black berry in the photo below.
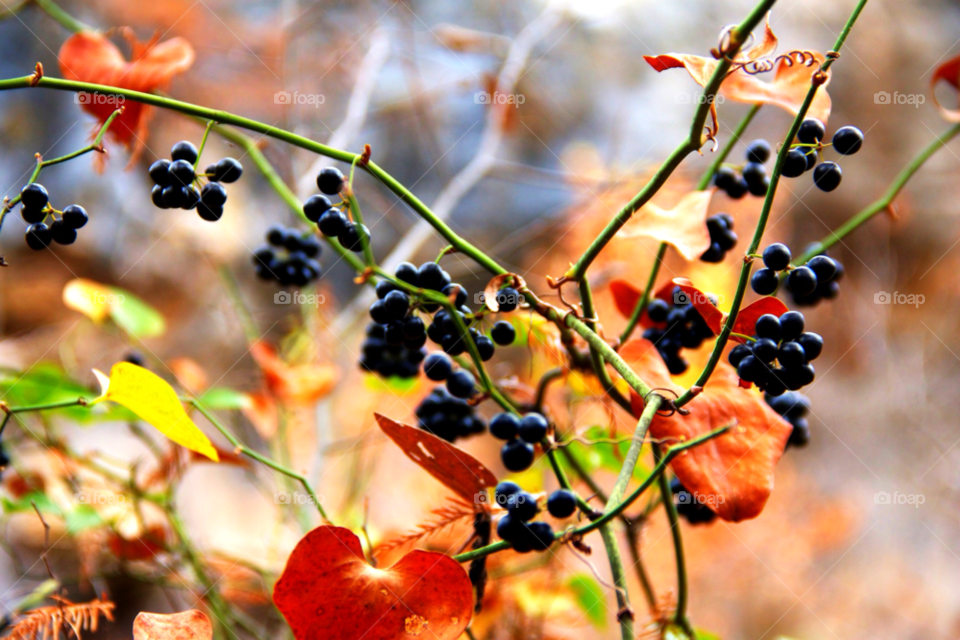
(827, 176)
(330, 181)
(847, 140)
(562, 503)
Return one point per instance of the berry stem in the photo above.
(884, 202)
(680, 615)
(765, 211)
(203, 142)
(66, 20)
(737, 36)
(599, 364)
(364, 238)
(645, 296)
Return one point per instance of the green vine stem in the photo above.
(624, 611)
(767, 206)
(645, 296)
(885, 201)
(707, 176)
(680, 615)
(737, 36)
(68, 22)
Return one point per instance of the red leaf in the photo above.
(703, 304)
(90, 57)
(715, 318)
(626, 296)
(329, 592)
(732, 473)
(948, 72)
(453, 467)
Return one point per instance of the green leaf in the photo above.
(589, 596)
(26, 502)
(46, 383)
(224, 398)
(702, 634)
(395, 384)
(135, 316)
(82, 518)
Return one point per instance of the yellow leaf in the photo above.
(155, 402)
(90, 298)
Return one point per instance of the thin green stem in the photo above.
(66, 20)
(707, 176)
(645, 296)
(279, 468)
(680, 615)
(79, 402)
(633, 452)
(624, 614)
(765, 211)
(884, 202)
(599, 365)
(203, 143)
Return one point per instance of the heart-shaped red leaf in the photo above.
(328, 591)
(732, 473)
(455, 468)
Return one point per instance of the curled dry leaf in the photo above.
(684, 226)
(329, 592)
(186, 625)
(453, 467)
(948, 72)
(746, 319)
(734, 471)
(90, 57)
(789, 87)
(496, 283)
(295, 384)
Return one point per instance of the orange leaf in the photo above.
(453, 467)
(329, 592)
(90, 57)
(746, 319)
(300, 384)
(714, 317)
(732, 473)
(684, 226)
(948, 72)
(186, 625)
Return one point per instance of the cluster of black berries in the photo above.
(289, 257)
(515, 527)
(331, 220)
(722, 237)
(174, 182)
(779, 357)
(439, 368)
(794, 408)
(448, 417)
(520, 434)
(807, 284)
(688, 507)
(750, 178)
(804, 156)
(381, 353)
(35, 206)
(679, 326)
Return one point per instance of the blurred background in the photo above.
(824, 559)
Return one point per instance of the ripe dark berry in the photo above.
(504, 426)
(406, 272)
(776, 256)
(185, 151)
(440, 413)
(350, 236)
(827, 176)
(503, 333)
(396, 304)
(657, 310)
(792, 324)
(509, 529)
(737, 354)
(795, 164)
(802, 281)
(330, 181)
(227, 170)
(811, 131)
(461, 384)
(316, 206)
(210, 214)
(522, 506)
(765, 350)
(754, 173)
(722, 237)
(38, 236)
(332, 222)
(533, 428)
(383, 288)
(812, 159)
(812, 345)
(458, 293)
(62, 234)
(847, 140)
(758, 151)
(504, 490)
(74, 216)
(517, 455)
(725, 177)
(562, 503)
(159, 172)
(738, 189)
(485, 347)
(193, 199)
(688, 507)
(791, 355)
(156, 195)
(311, 246)
(413, 328)
(541, 535)
(768, 326)
(508, 299)
(276, 235)
(181, 173)
(824, 267)
(34, 196)
(32, 216)
(751, 369)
